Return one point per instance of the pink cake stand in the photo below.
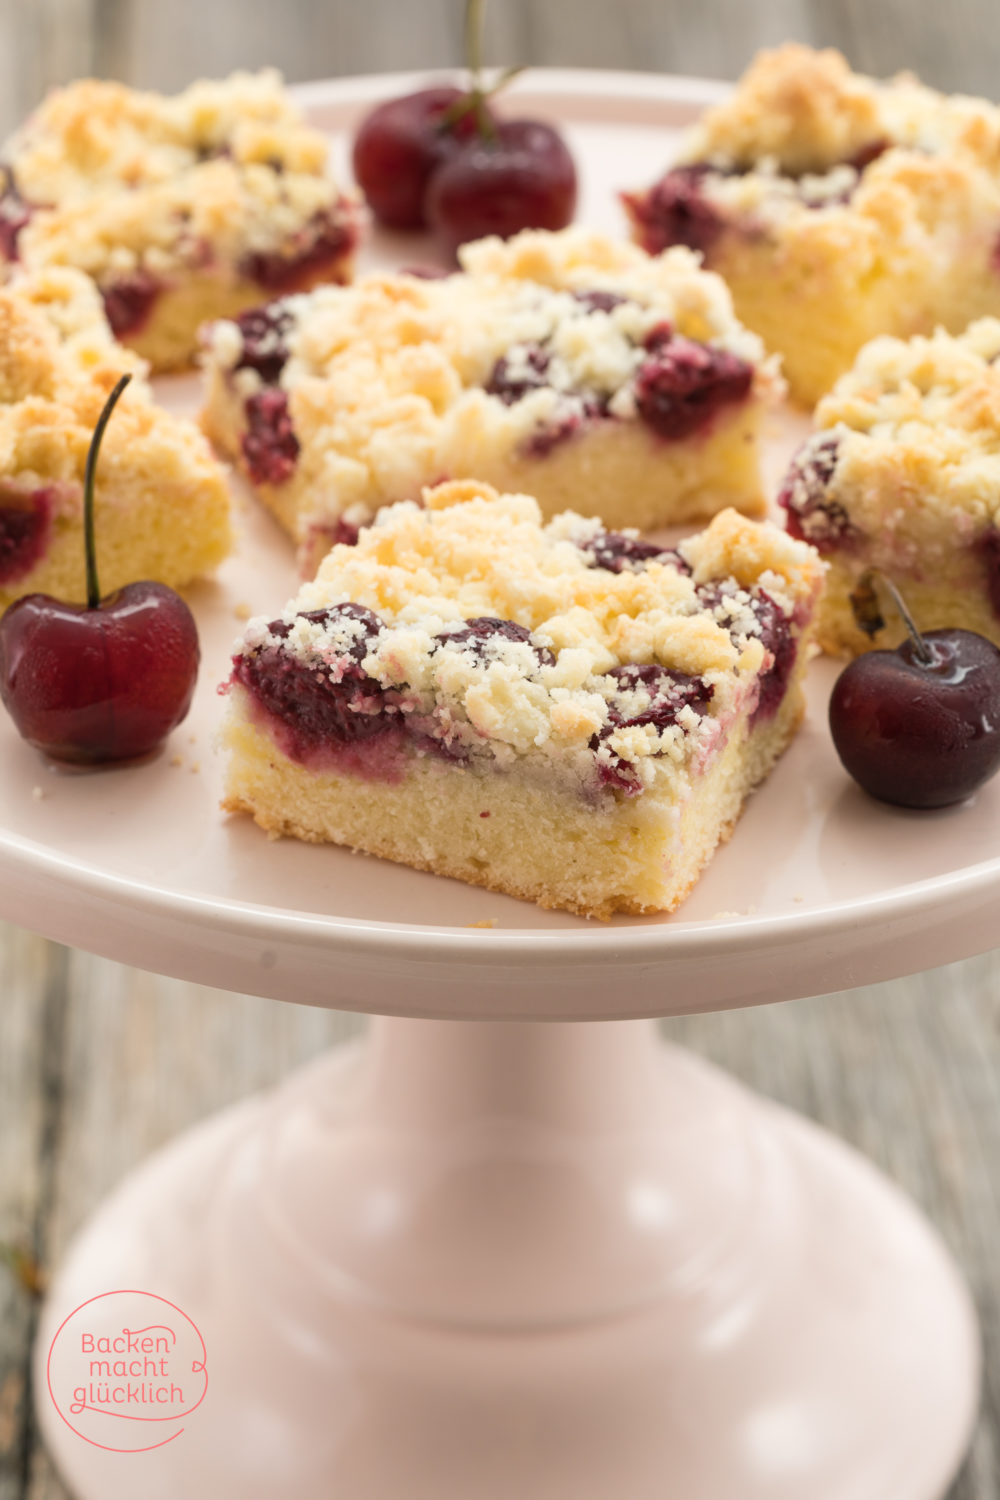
(496, 1252)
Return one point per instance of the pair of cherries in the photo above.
(442, 159)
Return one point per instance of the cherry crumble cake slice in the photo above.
(838, 208)
(181, 208)
(903, 474)
(162, 503)
(562, 713)
(559, 364)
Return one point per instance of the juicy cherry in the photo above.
(95, 685)
(523, 177)
(102, 681)
(398, 147)
(920, 726)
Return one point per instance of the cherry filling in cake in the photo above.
(652, 695)
(616, 552)
(128, 301)
(320, 710)
(677, 384)
(263, 331)
(25, 528)
(269, 444)
(484, 633)
(326, 239)
(811, 514)
(773, 629)
(14, 214)
(314, 708)
(676, 211)
(681, 386)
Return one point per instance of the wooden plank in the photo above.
(32, 1017)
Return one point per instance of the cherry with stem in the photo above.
(106, 680)
(918, 726)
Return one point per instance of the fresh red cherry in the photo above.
(400, 144)
(520, 177)
(440, 157)
(106, 680)
(920, 726)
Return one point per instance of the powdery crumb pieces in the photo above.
(487, 922)
(242, 611)
(851, 172)
(58, 362)
(799, 110)
(389, 379)
(917, 419)
(195, 767)
(177, 760)
(38, 793)
(129, 178)
(469, 553)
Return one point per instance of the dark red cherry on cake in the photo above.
(920, 726)
(103, 681)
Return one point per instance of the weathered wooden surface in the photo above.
(162, 45)
(98, 1065)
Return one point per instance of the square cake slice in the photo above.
(161, 500)
(181, 208)
(564, 714)
(837, 207)
(903, 474)
(562, 365)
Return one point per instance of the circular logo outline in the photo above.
(199, 1367)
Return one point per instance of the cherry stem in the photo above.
(475, 10)
(93, 587)
(474, 102)
(920, 645)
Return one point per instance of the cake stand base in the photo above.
(488, 1261)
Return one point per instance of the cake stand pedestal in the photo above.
(495, 1260)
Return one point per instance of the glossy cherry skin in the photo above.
(916, 734)
(524, 178)
(397, 148)
(91, 686)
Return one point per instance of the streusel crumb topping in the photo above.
(804, 111)
(116, 176)
(58, 362)
(381, 376)
(912, 440)
(883, 160)
(561, 680)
